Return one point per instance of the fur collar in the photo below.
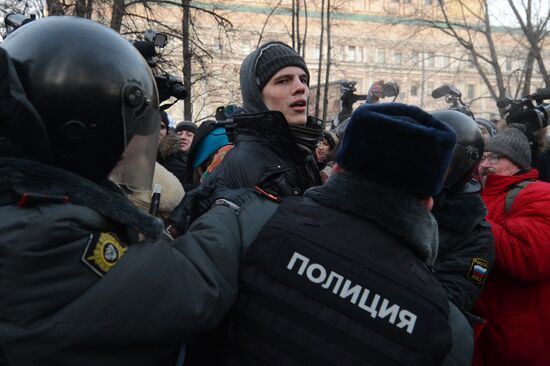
(30, 176)
(401, 214)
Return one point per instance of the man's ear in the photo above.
(428, 202)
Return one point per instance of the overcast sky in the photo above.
(503, 13)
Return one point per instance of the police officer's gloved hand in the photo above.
(194, 204)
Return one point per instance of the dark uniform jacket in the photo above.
(324, 282)
(265, 154)
(466, 245)
(76, 288)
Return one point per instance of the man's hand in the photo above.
(375, 91)
(194, 204)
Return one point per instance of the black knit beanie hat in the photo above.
(273, 57)
(186, 126)
(513, 144)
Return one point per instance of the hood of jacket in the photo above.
(397, 212)
(253, 101)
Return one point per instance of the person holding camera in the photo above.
(516, 297)
(78, 104)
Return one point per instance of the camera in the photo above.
(529, 114)
(168, 85)
(453, 96)
(13, 21)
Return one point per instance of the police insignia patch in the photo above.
(478, 270)
(102, 252)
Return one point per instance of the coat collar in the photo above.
(27, 176)
(498, 184)
(399, 213)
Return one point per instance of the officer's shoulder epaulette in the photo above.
(26, 198)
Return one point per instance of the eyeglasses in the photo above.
(492, 158)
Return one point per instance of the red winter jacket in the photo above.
(516, 299)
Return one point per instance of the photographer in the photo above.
(530, 115)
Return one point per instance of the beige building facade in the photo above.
(371, 40)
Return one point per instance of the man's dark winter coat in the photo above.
(266, 154)
(76, 288)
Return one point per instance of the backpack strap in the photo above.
(513, 192)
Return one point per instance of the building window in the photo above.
(414, 57)
(217, 47)
(406, 1)
(430, 59)
(381, 56)
(341, 54)
(352, 54)
(414, 90)
(470, 61)
(429, 88)
(245, 46)
(508, 64)
(316, 53)
(428, 2)
(398, 57)
(446, 61)
(471, 91)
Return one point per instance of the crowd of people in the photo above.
(258, 237)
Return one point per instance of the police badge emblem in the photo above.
(103, 252)
(478, 270)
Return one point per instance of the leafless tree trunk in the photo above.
(293, 24)
(320, 68)
(327, 71)
(528, 72)
(298, 39)
(305, 30)
(187, 59)
(55, 7)
(534, 33)
(117, 10)
(267, 21)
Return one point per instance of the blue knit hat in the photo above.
(209, 145)
(399, 146)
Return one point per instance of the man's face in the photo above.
(323, 150)
(162, 133)
(493, 163)
(486, 135)
(287, 92)
(186, 138)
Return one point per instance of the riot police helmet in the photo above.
(93, 98)
(468, 150)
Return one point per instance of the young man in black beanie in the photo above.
(341, 276)
(274, 139)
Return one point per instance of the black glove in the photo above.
(194, 204)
